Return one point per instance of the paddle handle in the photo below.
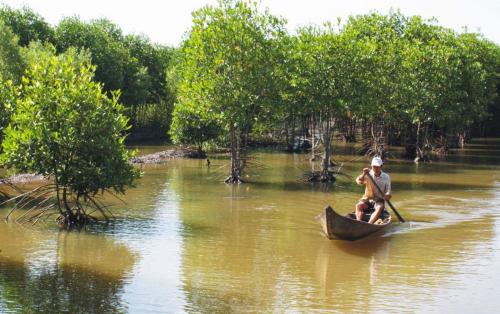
(388, 202)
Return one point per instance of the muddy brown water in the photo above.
(185, 242)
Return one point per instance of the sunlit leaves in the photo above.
(226, 65)
(65, 127)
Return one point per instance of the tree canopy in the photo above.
(27, 25)
(226, 67)
(66, 128)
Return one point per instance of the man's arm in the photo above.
(388, 192)
(361, 178)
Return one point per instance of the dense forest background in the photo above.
(239, 78)
(72, 94)
(129, 63)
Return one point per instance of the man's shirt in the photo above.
(371, 192)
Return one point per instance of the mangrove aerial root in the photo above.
(233, 180)
(320, 176)
(75, 220)
(43, 202)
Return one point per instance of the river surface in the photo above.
(185, 242)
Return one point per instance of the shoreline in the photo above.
(149, 159)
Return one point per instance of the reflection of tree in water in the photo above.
(349, 273)
(64, 289)
(80, 280)
(219, 268)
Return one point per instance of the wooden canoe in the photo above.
(336, 226)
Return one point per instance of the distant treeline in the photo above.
(240, 77)
(131, 64)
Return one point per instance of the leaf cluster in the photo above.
(226, 69)
(65, 127)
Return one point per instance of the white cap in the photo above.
(376, 161)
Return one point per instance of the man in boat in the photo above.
(373, 202)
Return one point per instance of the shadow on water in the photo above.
(365, 247)
(372, 243)
(197, 229)
(351, 272)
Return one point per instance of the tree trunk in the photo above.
(292, 135)
(422, 144)
(374, 144)
(462, 137)
(418, 150)
(313, 140)
(348, 127)
(288, 141)
(235, 157)
(352, 130)
(327, 134)
(70, 217)
(58, 197)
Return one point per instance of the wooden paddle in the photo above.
(388, 202)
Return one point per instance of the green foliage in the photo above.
(173, 75)
(11, 62)
(103, 40)
(190, 125)
(226, 67)
(7, 104)
(11, 67)
(27, 25)
(155, 59)
(226, 60)
(446, 79)
(65, 127)
(128, 63)
(422, 76)
(478, 78)
(239, 68)
(152, 86)
(332, 70)
(391, 71)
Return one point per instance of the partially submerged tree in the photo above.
(226, 68)
(446, 87)
(289, 114)
(67, 129)
(331, 61)
(378, 75)
(476, 82)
